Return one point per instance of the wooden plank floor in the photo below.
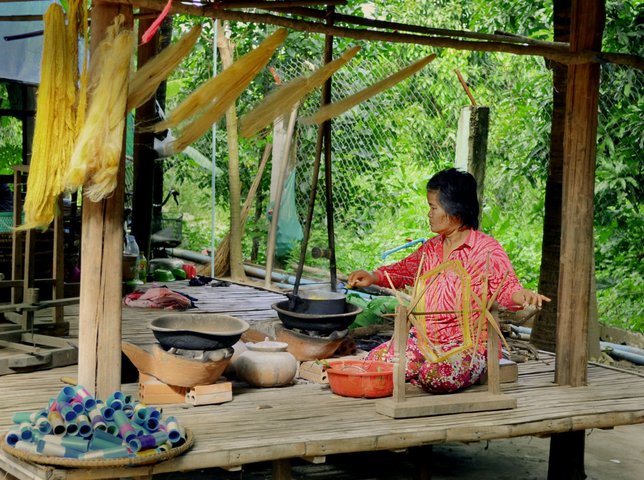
(307, 420)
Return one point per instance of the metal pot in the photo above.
(316, 322)
(317, 302)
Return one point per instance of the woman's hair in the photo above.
(457, 195)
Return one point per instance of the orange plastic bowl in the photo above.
(361, 378)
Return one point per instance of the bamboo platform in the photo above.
(306, 420)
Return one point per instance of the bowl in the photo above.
(361, 378)
(198, 331)
(317, 322)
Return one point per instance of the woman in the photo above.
(453, 216)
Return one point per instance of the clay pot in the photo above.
(266, 364)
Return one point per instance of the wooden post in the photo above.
(580, 133)
(493, 369)
(578, 189)
(281, 469)
(18, 237)
(99, 357)
(401, 332)
(58, 272)
(471, 143)
(144, 154)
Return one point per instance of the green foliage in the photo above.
(10, 137)
(619, 187)
(373, 311)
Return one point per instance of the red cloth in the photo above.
(158, 297)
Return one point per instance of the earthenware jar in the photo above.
(266, 364)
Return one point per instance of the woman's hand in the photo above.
(525, 297)
(361, 278)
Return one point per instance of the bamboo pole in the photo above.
(551, 51)
(236, 259)
(278, 3)
(222, 255)
(99, 335)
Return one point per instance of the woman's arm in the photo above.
(511, 292)
(401, 273)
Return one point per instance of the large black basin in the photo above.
(317, 322)
(198, 331)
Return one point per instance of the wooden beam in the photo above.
(277, 3)
(552, 52)
(403, 27)
(99, 335)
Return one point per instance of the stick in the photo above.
(465, 87)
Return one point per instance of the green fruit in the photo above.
(179, 273)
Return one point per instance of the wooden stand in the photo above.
(23, 270)
(398, 406)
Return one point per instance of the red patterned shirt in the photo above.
(481, 256)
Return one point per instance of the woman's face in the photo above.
(439, 220)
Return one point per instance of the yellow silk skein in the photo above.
(97, 152)
(55, 122)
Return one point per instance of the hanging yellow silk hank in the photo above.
(147, 79)
(97, 152)
(209, 102)
(55, 121)
(332, 110)
(281, 101)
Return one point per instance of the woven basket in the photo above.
(99, 462)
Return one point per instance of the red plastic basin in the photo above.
(361, 378)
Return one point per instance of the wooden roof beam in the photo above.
(552, 51)
(404, 27)
(274, 3)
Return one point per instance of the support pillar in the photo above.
(99, 357)
(580, 134)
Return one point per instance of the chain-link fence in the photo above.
(390, 144)
(365, 136)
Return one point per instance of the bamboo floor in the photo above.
(307, 421)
